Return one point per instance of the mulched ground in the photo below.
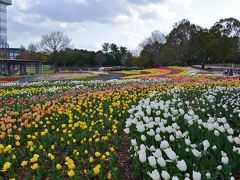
(124, 162)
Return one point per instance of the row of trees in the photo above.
(186, 44)
(54, 49)
(189, 44)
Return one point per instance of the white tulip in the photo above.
(158, 130)
(140, 128)
(206, 145)
(175, 178)
(151, 132)
(181, 165)
(230, 131)
(127, 130)
(196, 175)
(191, 113)
(164, 145)
(210, 127)
(152, 161)
(196, 117)
(166, 115)
(170, 154)
(165, 175)
(221, 129)
(196, 153)
(161, 162)
(152, 148)
(225, 160)
(169, 129)
(200, 122)
(181, 111)
(172, 138)
(237, 140)
(230, 139)
(214, 147)
(226, 126)
(216, 133)
(143, 138)
(158, 137)
(142, 156)
(193, 146)
(187, 142)
(135, 148)
(190, 122)
(134, 142)
(158, 153)
(157, 119)
(208, 175)
(179, 134)
(154, 175)
(143, 147)
(223, 154)
(219, 168)
(216, 125)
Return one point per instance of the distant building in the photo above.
(10, 64)
(3, 21)
(14, 53)
(5, 51)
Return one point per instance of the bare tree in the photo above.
(54, 42)
(32, 47)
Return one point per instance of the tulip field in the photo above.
(161, 124)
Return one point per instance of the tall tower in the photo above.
(3, 20)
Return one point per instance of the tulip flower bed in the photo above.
(74, 129)
(171, 71)
(8, 79)
(189, 132)
(64, 133)
(63, 76)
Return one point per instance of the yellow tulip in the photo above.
(71, 173)
(14, 157)
(91, 160)
(24, 163)
(97, 154)
(34, 166)
(6, 166)
(17, 143)
(58, 166)
(96, 169)
(109, 175)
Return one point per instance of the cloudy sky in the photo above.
(90, 23)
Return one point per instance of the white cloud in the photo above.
(184, 3)
(25, 4)
(92, 22)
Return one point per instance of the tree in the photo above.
(180, 39)
(152, 46)
(53, 43)
(140, 62)
(105, 47)
(229, 27)
(168, 56)
(228, 30)
(99, 58)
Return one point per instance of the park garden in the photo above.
(161, 123)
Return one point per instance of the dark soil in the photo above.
(124, 162)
